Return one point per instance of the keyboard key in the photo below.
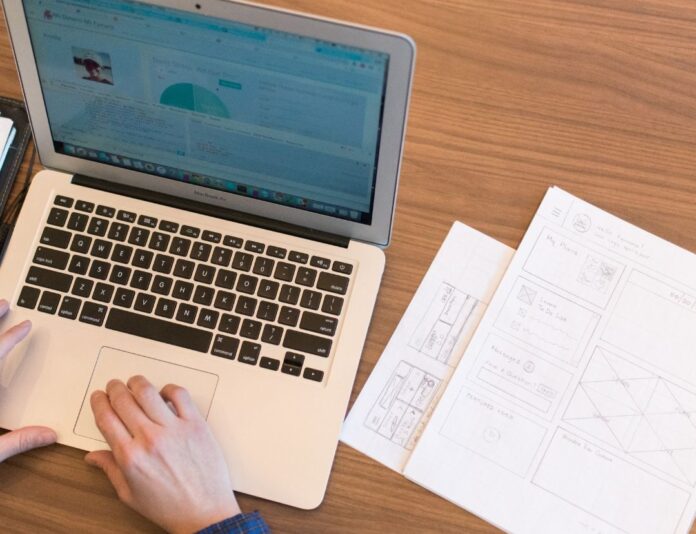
(65, 202)
(269, 363)
(81, 243)
(284, 271)
(321, 324)
(263, 266)
(208, 318)
(159, 241)
(97, 226)
(242, 261)
(309, 343)
(289, 294)
(142, 258)
(78, 221)
(224, 300)
(146, 220)
(268, 289)
(231, 241)
(162, 285)
(28, 297)
(186, 313)
(103, 292)
(333, 283)
(272, 334)
(79, 264)
(225, 279)
(229, 323)
(221, 256)
(138, 236)
(276, 252)
(51, 257)
(267, 311)
(184, 268)
(306, 276)
(57, 217)
(101, 248)
(310, 299)
(200, 251)
(255, 246)
(250, 329)
(247, 284)
(99, 270)
(245, 306)
(332, 305)
(93, 313)
(49, 302)
(289, 316)
(298, 257)
(322, 263)
(124, 297)
(182, 290)
(105, 211)
(126, 216)
(180, 246)
(165, 308)
(190, 231)
(313, 374)
(82, 205)
(225, 347)
(82, 287)
(70, 308)
(158, 330)
(38, 276)
(249, 353)
(120, 275)
(343, 268)
(145, 303)
(168, 226)
(55, 238)
(141, 280)
(163, 264)
(203, 295)
(118, 231)
(293, 358)
(122, 253)
(213, 237)
(204, 274)
(293, 370)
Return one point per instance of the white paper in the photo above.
(395, 404)
(7, 133)
(573, 408)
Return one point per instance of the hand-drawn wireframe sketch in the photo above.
(440, 328)
(638, 411)
(597, 274)
(399, 409)
(547, 321)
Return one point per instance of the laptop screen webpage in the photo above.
(238, 108)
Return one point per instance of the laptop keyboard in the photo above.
(193, 288)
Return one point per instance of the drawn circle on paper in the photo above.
(491, 435)
(582, 223)
(528, 366)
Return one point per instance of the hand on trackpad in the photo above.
(114, 363)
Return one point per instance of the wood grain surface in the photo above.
(510, 97)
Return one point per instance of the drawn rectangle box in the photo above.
(572, 267)
(506, 369)
(595, 481)
(494, 432)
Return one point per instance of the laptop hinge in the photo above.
(212, 211)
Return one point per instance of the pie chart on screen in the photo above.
(194, 98)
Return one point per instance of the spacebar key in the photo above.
(157, 330)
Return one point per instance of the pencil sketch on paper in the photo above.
(441, 327)
(638, 411)
(398, 412)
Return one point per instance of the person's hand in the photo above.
(165, 465)
(30, 437)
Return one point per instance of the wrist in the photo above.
(202, 520)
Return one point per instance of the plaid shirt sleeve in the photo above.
(239, 524)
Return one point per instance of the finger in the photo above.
(126, 408)
(106, 461)
(181, 400)
(4, 308)
(13, 336)
(149, 399)
(25, 439)
(108, 422)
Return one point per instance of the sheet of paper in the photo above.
(7, 133)
(573, 408)
(395, 404)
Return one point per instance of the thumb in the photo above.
(25, 439)
(105, 461)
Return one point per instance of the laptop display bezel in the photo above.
(400, 48)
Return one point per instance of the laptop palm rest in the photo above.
(114, 363)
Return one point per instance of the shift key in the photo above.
(308, 343)
(38, 276)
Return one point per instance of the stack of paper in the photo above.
(573, 407)
(7, 134)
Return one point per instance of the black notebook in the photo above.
(14, 110)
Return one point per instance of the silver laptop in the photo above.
(222, 179)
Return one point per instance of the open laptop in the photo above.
(223, 177)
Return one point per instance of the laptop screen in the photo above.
(242, 109)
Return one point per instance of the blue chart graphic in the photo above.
(194, 98)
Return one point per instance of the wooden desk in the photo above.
(597, 96)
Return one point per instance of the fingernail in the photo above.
(48, 436)
(4, 306)
(24, 325)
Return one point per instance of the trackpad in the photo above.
(114, 363)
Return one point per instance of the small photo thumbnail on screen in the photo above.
(93, 66)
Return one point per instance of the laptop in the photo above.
(220, 187)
